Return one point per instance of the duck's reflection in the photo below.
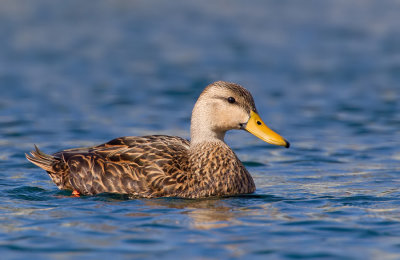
(203, 214)
(215, 213)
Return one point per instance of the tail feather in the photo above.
(41, 159)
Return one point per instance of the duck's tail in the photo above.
(44, 161)
(55, 167)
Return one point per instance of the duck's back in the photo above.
(146, 166)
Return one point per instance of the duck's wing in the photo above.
(148, 166)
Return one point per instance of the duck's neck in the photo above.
(202, 127)
(200, 136)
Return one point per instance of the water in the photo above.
(325, 75)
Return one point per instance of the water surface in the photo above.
(325, 75)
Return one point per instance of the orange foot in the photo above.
(75, 193)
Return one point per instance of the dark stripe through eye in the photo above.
(231, 100)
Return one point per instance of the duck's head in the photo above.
(223, 106)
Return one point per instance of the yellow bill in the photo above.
(258, 128)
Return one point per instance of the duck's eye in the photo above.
(231, 100)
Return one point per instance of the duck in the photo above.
(168, 166)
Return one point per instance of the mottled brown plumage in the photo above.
(165, 166)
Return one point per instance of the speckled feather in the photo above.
(148, 166)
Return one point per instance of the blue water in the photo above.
(324, 74)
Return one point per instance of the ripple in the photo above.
(29, 193)
(252, 164)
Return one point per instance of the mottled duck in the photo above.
(168, 166)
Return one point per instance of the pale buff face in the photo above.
(214, 113)
(223, 106)
(223, 115)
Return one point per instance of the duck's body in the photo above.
(149, 166)
(168, 166)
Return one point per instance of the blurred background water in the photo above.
(324, 74)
